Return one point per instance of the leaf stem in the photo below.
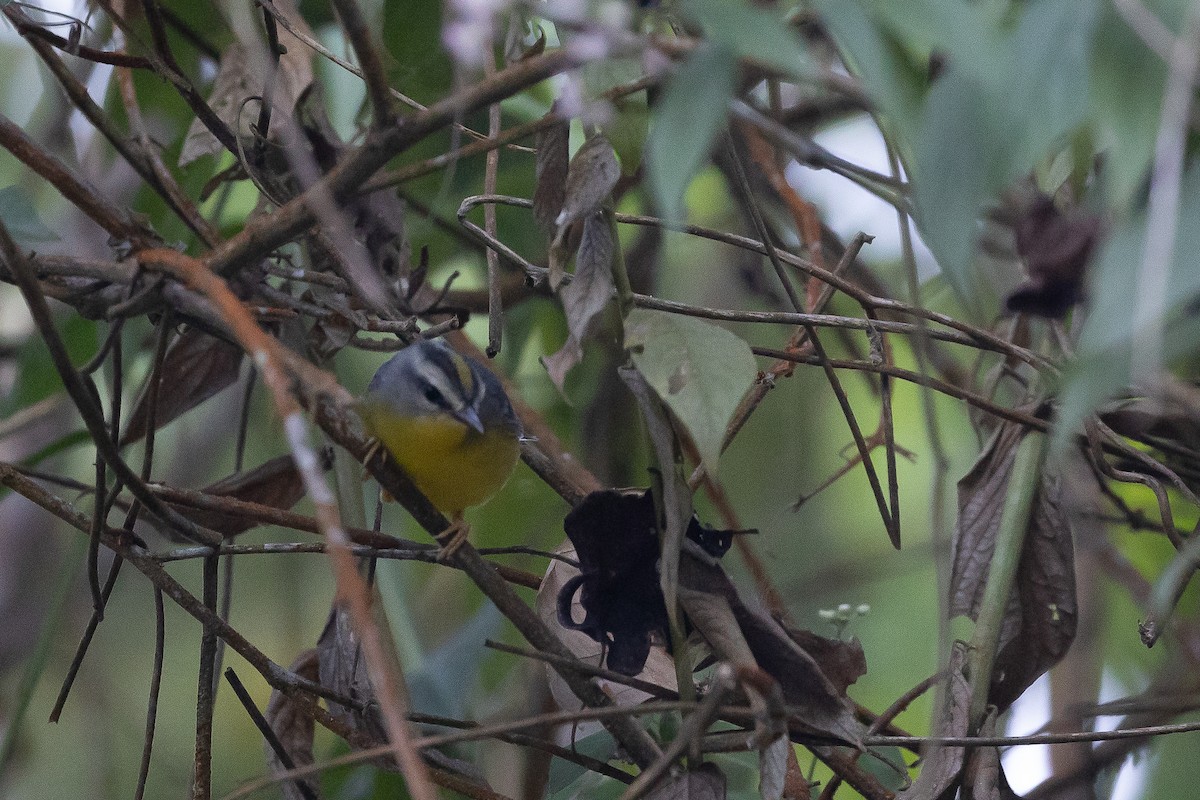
(1023, 484)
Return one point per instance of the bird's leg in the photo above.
(452, 538)
(372, 451)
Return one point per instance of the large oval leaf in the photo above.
(700, 370)
(686, 123)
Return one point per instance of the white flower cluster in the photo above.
(470, 29)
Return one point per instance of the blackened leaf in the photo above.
(293, 728)
(197, 366)
(1056, 247)
(616, 598)
(550, 168)
(615, 540)
(592, 174)
(705, 783)
(659, 668)
(1039, 621)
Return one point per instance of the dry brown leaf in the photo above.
(1039, 622)
(704, 783)
(343, 669)
(294, 729)
(197, 366)
(943, 766)
(591, 176)
(550, 169)
(238, 79)
(584, 298)
(275, 483)
(705, 590)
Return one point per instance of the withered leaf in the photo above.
(275, 483)
(704, 783)
(1039, 621)
(1056, 247)
(238, 79)
(584, 298)
(824, 708)
(843, 662)
(550, 170)
(591, 176)
(344, 671)
(196, 367)
(943, 766)
(294, 729)
(773, 767)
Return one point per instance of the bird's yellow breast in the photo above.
(452, 465)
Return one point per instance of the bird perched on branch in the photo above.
(448, 423)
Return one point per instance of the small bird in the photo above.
(449, 424)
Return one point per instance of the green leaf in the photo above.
(563, 773)
(20, 216)
(888, 766)
(700, 370)
(1047, 79)
(751, 32)
(627, 132)
(992, 116)
(890, 75)
(1126, 98)
(687, 120)
(951, 180)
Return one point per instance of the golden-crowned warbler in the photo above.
(448, 423)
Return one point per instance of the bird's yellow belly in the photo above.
(453, 466)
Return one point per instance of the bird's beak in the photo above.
(469, 417)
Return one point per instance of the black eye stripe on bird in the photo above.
(451, 374)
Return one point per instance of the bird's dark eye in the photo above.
(434, 396)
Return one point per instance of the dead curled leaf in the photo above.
(344, 670)
(586, 296)
(274, 483)
(294, 728)
(197, 366)
(591, 176)
(823, 707)
(943, 766)
(1039, 622)
(550, 170)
